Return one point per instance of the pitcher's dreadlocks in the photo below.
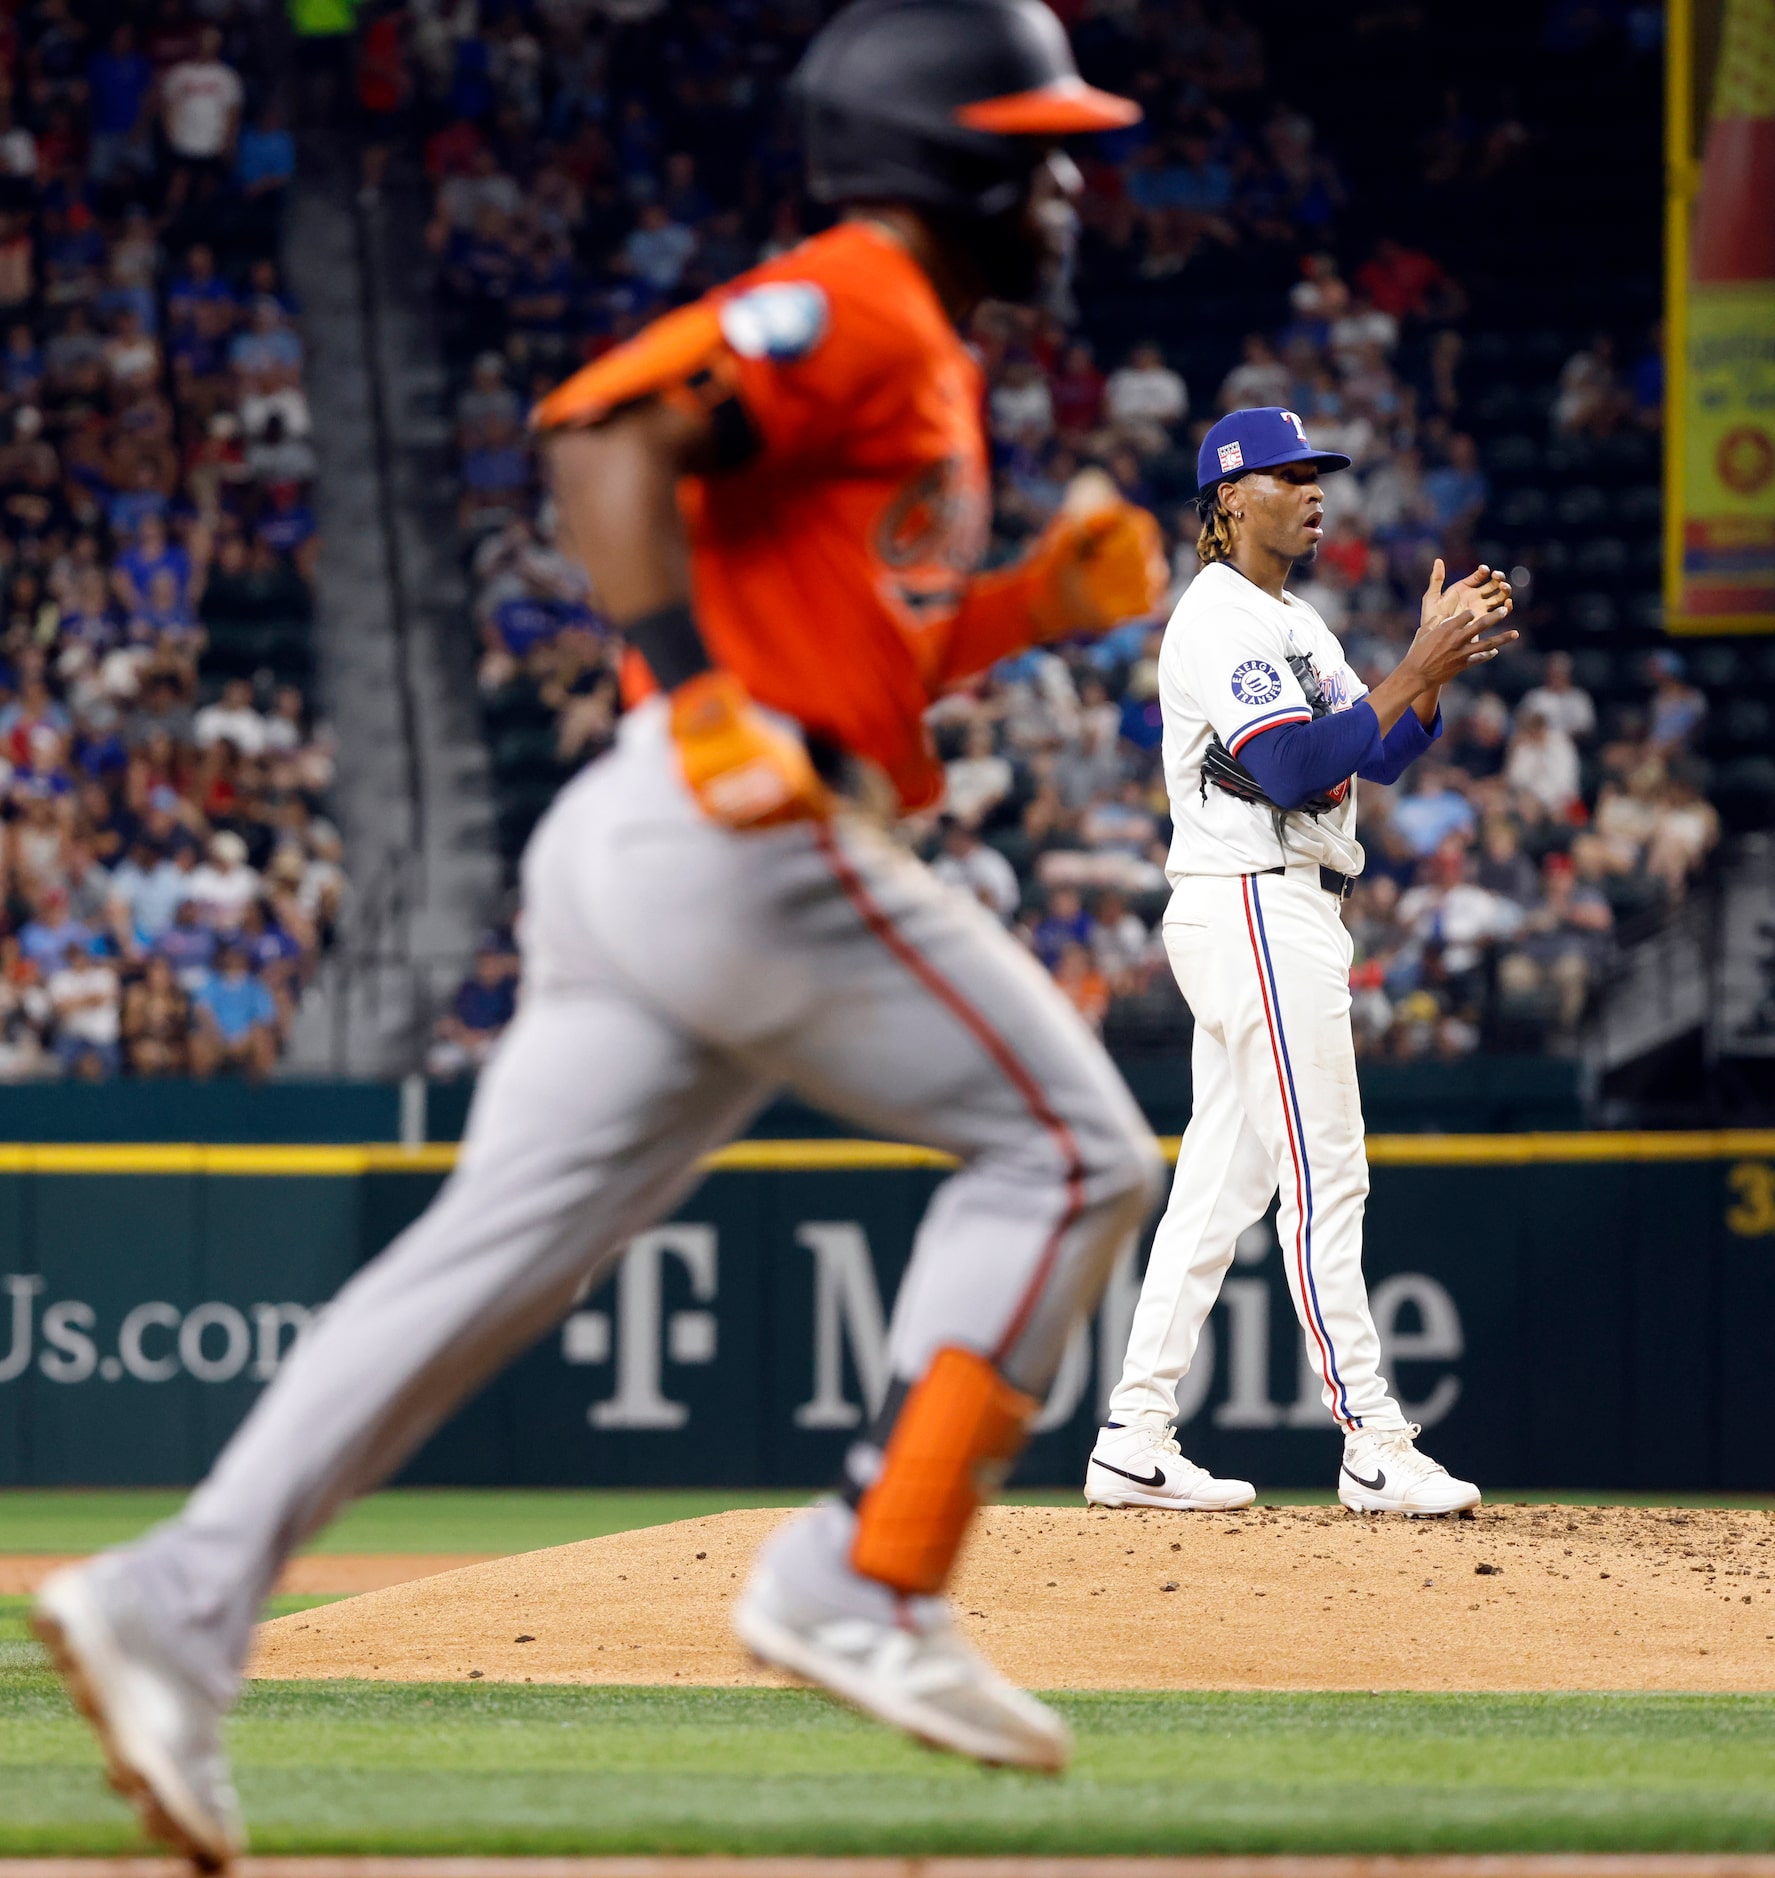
(1215, 542)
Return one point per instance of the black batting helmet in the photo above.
(945, 103)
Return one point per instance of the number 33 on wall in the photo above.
(1754, 1215)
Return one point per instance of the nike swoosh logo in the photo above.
(1140, 1480)
(1373, 1486)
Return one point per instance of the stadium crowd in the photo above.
(593, 165)
(167, 877)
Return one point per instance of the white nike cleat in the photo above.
(1139, 1463)
(900, 1659)
(1384, 1473)
(160, 1731)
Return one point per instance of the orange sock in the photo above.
(960, 1429)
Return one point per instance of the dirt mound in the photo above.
(1281, 1598)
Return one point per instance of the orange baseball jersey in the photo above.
(831, 567)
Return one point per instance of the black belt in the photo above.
(1329, 878)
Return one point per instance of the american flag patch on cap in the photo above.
(1231, 457)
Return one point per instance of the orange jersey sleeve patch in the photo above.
(664, 360)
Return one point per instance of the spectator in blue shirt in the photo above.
(485, 1003)
(1065, 923)
(146, 888)
(130, 508)
(268, 350)
(495, 474)
(234, 1020)
(265, 159)
(658, 249)
(151, 553)
(199, 287)
(188, 945)
(45, 938)
(1433, 812)
(1457, 490)
(21, 365)
(525, 622)
(287, 527)
(118, 81)
(273, 955)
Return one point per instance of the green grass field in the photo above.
(375, 1768)
(339, 1767)
(419, 1519)
(411, 1519)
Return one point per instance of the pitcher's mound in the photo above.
(1279, 1598)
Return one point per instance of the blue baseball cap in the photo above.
(1265, 437)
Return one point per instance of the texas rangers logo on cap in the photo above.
(1263, 437)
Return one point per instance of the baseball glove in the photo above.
(1224, 770)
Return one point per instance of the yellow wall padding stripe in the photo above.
(813, 1157)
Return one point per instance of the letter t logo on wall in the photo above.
(640, 1400)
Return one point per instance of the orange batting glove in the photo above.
(1100, 561)
(744, 770)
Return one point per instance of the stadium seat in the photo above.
(516, 705)
(1594, 671)
(1744, 792)
(1581, 509)
(1593, 614)
(1717, 668)
(529, 754)
(1499, 408)
(1513, 456)
(1744, 726)
(1641, 505)
(1523, 515)
(1544, 352)
(1645, 613)
(1630, 456)
(1603, 562)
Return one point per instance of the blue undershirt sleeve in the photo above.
(1401, 747)
(1295, 761)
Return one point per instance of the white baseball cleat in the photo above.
(1139, 1463)
(160, 1731)
(1384, 1473)
(900, 1659)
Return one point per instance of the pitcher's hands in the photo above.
(1460, 626)
(1099, 562)
(745, 770)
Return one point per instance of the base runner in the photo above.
(781, 495)
(1265, 730)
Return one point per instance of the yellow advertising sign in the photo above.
(1720, 429)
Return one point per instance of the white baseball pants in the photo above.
(675, 976)
(1264, 963)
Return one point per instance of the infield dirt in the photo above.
(1542, 1597)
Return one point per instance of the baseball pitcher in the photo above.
(1266, 729)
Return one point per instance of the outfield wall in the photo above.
(1559, 1311)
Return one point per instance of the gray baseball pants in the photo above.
(675, 976)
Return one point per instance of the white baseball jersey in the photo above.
(1265, 967)
(1224, 669)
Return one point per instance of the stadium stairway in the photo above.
(411, 794)
(1704, 980)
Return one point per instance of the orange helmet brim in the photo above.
(1066, 108)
